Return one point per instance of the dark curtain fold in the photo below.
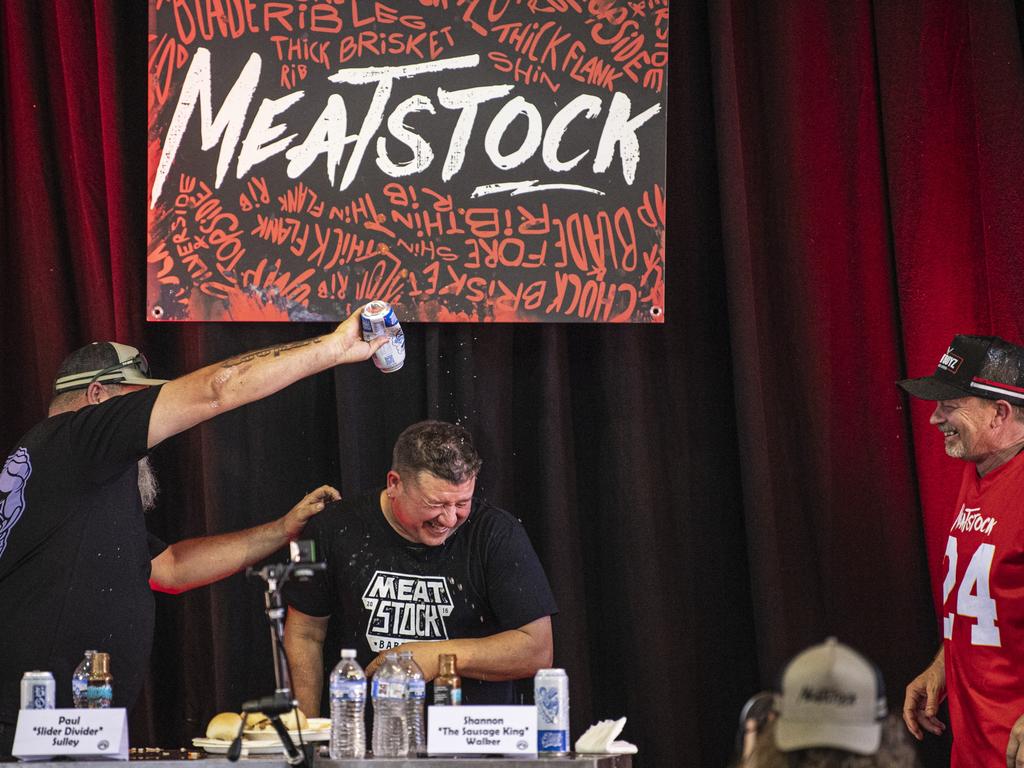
(708, 496)
(829, 486)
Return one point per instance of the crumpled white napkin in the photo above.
(600, 738)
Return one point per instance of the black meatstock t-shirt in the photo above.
(381, 590)
(74, 550)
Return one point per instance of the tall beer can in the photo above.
(378, 319)
(551, 695)
(38, 690)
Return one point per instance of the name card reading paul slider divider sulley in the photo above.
(483, 729)
(43, 733)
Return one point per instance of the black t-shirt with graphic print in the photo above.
(74, 550)
(381, 590)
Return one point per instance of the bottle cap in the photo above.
(101, 663)
(348, 653)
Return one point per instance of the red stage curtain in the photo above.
(709, 496)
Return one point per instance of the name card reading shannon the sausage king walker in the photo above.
(94, 733)
(484, 729)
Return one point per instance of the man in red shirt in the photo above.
(978, 387)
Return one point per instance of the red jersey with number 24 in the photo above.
(983, 614)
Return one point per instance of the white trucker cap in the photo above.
(106, 362)
(831, 697)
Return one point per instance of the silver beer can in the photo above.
(38, 690)
(551, 695)
(378, 319)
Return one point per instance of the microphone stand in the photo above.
(274, 577)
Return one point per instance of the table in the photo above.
(572, 761)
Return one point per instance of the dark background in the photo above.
(708, 496)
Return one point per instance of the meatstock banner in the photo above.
(465, 160)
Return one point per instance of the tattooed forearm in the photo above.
(276, 351)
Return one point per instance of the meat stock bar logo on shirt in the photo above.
(464, 161)
(405, 607)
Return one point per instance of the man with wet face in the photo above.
(77, 564)
(978, 390)
(423, 566)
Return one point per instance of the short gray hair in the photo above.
(74, 399)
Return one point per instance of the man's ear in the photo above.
(96, 393)
(392, 483)
(1003, 413)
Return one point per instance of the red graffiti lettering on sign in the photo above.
(207, 19)
(505, 252)
(362, 211)
(221, 227)
(428, 249)
(652, 208)
(335, 245)
(282, 230)
(256, 194)
(367, 13)
(592, 299)
(293, 74)
(159, 255)
(385, 279)
(422, 45)
(301, 199)
(334, 287)
(521, 72)
(166, 58)
(297, 17)
(593, 244)
(296, 49)
(274, 282)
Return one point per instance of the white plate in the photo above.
(317, 729)
(271, 735)
(220, 747)
(267, 744)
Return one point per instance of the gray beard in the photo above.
(148, 485)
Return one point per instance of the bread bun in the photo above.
(294, 720)
(224, 726)
(256, 721)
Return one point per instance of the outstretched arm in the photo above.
(924, 695)
(304, 644)
(194, 562)
(202, 394)
(510, 655)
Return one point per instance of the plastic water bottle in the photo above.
(80, 682)
(414, 703)
(348, 708)
(390, 732)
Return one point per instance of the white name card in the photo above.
(473, 730)
(45, 733)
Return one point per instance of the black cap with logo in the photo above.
(974, 366)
